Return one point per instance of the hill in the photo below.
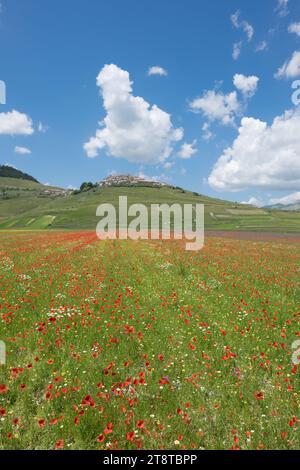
(286, 207)
(130, 181)
(27, 204)
(7, 171)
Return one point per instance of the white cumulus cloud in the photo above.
(157, 70)
(282, 7)
(207, 134)
(261, 156)
(236, 51)
(285, 200)
(168, 165)
(291, 68)
(187, 150)
(42, 128)
(217, 106)
(22, 150)
(15, 123)
(294, 28)
(253, 201)
(132, 129)
(246, 85)
(261, 46)
(244, 25)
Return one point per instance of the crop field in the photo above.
(143, 345)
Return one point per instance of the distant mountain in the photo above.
(285, 207)
(10, 172)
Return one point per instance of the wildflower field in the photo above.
(143, 345)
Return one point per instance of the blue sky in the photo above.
(53, 51)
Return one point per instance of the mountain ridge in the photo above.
(295, 206)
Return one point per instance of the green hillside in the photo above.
(10, 172)
(26, 204)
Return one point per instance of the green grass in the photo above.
(24, 202)
(21, 184)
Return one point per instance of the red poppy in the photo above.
(138, 443)
(88, 401)
(293, 421)
(41, 423)
(3, 388)
(101, 438)
(140, 424)
(59, 444)
(130, 436)
(259, 395)
(109, 428)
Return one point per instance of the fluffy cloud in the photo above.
(244, 25)
(261, 156)
(42, 128)
(291, 68)
(2, 92)
(207, 134)
(22, 150)
(168, 165)
(282, 7)
(294, 28)
(246, 85)
(261, 46)
(162, 177)
(187, 150)
(217, 107)
(253, 201)
(236, 51)
(157, 70)
(285, 200)
(15, 123)
(131, 129)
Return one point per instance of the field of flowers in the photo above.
(143, 345)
